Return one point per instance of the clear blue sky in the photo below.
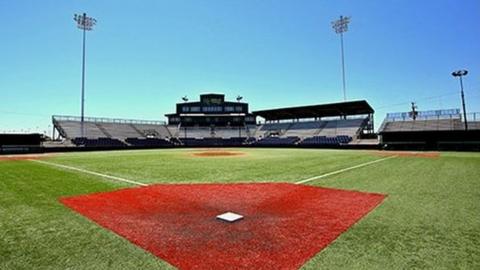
(144, 55)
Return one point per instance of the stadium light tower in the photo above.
(86, 24)
(460, 74)
(340, 26)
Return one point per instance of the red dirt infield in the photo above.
(407, 154)
(24, 157)
(284, 224)
(217, 154)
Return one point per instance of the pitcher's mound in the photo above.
(214, 153)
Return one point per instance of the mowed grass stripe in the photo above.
(179, 166)
(111, 177)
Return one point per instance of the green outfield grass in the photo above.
(430, 219)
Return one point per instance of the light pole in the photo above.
(341, 26)
(460, 74)
(86, 24)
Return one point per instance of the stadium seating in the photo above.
(330, 128)
(272, 128)
(251, 131)
(73, 129)
(134, 133)
(323, 140)
(304, 129)
(348, 127)
(277, 141)
(149, 130)
(99, 142)
(229, 132)
(422, 125)
(211, 132)
(115, 130)
(148, 142)
(195, 132)
(209, 141)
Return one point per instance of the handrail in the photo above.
(106, 120)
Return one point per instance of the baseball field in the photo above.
(301, 208)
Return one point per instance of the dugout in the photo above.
(20, 143)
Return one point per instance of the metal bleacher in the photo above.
(71, 127)
(438, 120)
(194, 132)
(331, 128)
(230, 132)
(120, 130)
(348, 127)
(211, 132)
(423, 125)
(148, 130)
(305, 129)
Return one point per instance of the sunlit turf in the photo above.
(430, 219)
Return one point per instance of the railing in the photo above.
(424, 115)
(456, 114)
(106, 120)
(473, 117)
(311, 119)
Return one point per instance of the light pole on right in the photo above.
(460, 74)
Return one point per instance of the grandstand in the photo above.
(212, 121)
(109, 132)
(437, 129)
(315, 125)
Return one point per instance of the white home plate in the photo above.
(230, 217)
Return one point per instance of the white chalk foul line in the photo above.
(343, 170)
(89, 172)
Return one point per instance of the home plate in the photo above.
(230, 217)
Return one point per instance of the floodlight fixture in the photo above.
(460, 73)
(341, 25)
(84, 22)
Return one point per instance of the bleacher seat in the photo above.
(99, 142)
(323, 140)
(273, 141)
(148, 142)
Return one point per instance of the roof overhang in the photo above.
(321, 110)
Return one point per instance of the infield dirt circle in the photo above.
(217, 153)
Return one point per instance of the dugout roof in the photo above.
(321, 110)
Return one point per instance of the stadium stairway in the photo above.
(140, 133)
(103, 130)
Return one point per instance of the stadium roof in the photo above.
(321, 110)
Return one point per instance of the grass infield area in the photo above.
(155, 209)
